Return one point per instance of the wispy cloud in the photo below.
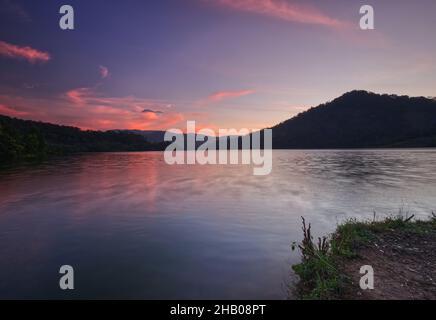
(104, 72)
(284, 10)
(88, 109)
(27, 53)
(12, 8)
(88, 97)
(224, 95)
(121, 112)
(4, 109)
(78, 96)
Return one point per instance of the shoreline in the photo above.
(400, 251)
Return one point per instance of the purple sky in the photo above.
(226, 63)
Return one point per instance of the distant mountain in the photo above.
(149, 135)
(159, 137)
(361, 119)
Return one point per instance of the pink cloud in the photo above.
(89, 97)
(104, 72)
(121, 112)
(77, 96)
(97, 112)
(27, 53)
(283, 10)
(223, 95)
(11, 111)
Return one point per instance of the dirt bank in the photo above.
(401, 252)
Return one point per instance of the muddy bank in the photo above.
(401, 252)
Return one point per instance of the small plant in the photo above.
(317, 271)
(307, 246)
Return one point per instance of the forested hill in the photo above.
(21, 139)
(361, 119)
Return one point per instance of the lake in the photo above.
(134, 227)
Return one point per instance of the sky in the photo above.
(153, 65)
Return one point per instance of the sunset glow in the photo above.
(239, 64)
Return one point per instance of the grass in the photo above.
(319, 270)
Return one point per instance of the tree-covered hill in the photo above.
(361, 119)
(23, 139)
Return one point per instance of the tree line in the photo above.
(24, 139)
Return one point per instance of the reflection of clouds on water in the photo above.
(162, 230)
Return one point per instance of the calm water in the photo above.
(134, 227)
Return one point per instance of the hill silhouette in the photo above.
(24, 139)
(361, 119)
(357, 119)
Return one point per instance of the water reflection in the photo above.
(135, 227)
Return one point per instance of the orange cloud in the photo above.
(283, 10)
(122, 112)
(27, 53)
(223, 95)
(90, 98)
(96, 111)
